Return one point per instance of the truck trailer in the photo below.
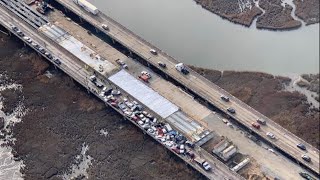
(87, 6)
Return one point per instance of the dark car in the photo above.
(225, 98)
(15, 28)
(231, 110)
(301, 146)
(190, 144)
(21, 34)
(42, 50)
(161, 64)
(306, 176)
(57, 61)
(108, 91)
(49, 55)
(191, 154)
(185, 71)
(306, 157)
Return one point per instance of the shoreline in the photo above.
(289, 23)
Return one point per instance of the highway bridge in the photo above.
(75, 66)
(285, 141)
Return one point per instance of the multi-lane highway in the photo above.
(75, 68)
(285, 141)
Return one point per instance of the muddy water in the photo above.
(195, 36)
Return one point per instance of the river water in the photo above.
(196, 36)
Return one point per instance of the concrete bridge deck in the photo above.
(245, 115)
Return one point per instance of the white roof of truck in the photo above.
(88, 5)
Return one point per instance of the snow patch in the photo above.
(82, 163)
(48, 74)
(309, 94)
(9, 167)
(104, 132)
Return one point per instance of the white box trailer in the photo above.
(87, 6)
(240, 165)
(229, 152)
(220, 146)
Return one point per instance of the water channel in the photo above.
(196, 36)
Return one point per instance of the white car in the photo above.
(26, 38)
(206, 166)
(169, 143)
(270, 135)
(271, 150)
(105, 27)
(153, 51)
(102, 94)
(129, 104)
(146, 73)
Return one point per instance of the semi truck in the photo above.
(87, 6)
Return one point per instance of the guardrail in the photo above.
(68, 71)
(222, 91)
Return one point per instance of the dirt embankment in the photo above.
(232, 11)
(307, 10)
(264, 93)
(275, 16)
(62, 116)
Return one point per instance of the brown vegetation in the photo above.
(307, 10)
(276, 17)
(231, 11)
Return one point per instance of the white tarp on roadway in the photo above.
(144, 94)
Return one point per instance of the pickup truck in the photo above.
(203, 163)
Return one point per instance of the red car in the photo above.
(114, 104)
(256, 125)
(134, 118)
(144, 78)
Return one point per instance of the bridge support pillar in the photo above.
(81, 20)
(113, 41)
(97, 30)
(148, 64)
(130, 53)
